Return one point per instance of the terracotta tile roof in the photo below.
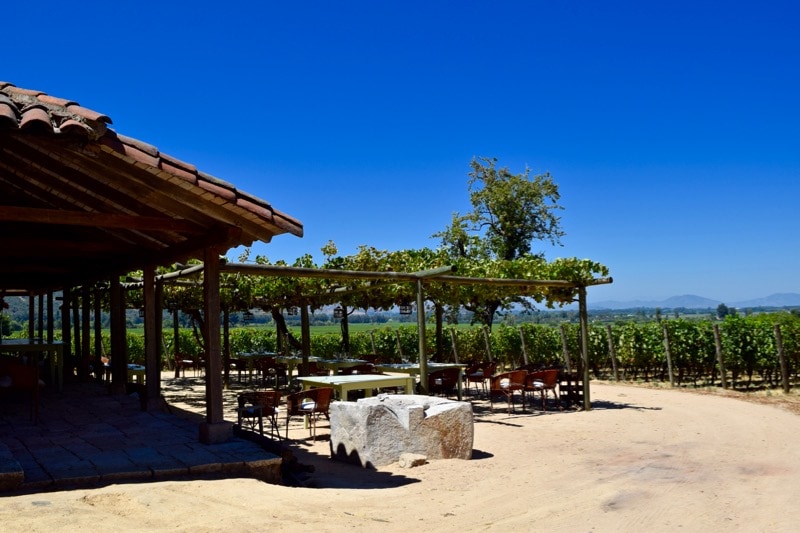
(59, 159)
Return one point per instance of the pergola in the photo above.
(441, 275)
(81, 205)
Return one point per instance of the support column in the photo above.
(587, 402)
(119, 346)
(152, 363)
(215, 429)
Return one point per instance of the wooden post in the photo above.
(584, 315)
(669, 355)
(612, 352)
(31, 316)
(423, 355)
(399, 346)
(66, 332)
(524, 349)
(720, 357)
(76, 328)
(176, 341)
(41, 316)
(86, 333)
(782, 359)
(119, 355)
(454, 341)
(372, 340)
(226, 350)
(488, 342)
(214, 429)
(152, 363)
(305, 339)
(100, 367)
(565, 349)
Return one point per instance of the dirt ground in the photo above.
(643, 459)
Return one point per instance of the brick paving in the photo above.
(86, 437)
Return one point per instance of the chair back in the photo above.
(513, 380)
(548, 378)
(267, 400)
(320, 398)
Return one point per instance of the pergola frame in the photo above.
(441, 274)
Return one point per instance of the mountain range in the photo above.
(692, 301)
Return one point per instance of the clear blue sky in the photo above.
(672, 128)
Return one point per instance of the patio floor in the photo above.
(86, 438)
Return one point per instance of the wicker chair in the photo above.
(183, 361)
(311, 403)
(479, 373)
(542, 381)
(255, 406)
(506, 384)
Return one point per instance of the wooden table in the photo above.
(55, 350)
(413, 370)
(366, 382)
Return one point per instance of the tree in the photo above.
(512, 210)
(509, 212)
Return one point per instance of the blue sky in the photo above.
(672, 128)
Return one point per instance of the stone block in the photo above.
(376, 431)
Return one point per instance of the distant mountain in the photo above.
(692, 301)
(783, 299)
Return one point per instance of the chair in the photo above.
(271, 370)
(309, 403)
(542, 381)
(479, 373)
(506, 384)
(183, 361)
(255, 406)
(443, 381)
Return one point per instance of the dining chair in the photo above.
(506, 384)
(443, 382)
(543, 381)
(257, 405)
(480, 374)
(311, 404)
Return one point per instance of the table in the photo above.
(55, 349)
(336, 364)
(413, 369)
(366, 382)
(136, 374)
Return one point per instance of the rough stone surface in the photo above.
(410, 460)
(377, 431)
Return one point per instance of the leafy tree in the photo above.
(510, 212)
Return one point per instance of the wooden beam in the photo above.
(63, 217)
